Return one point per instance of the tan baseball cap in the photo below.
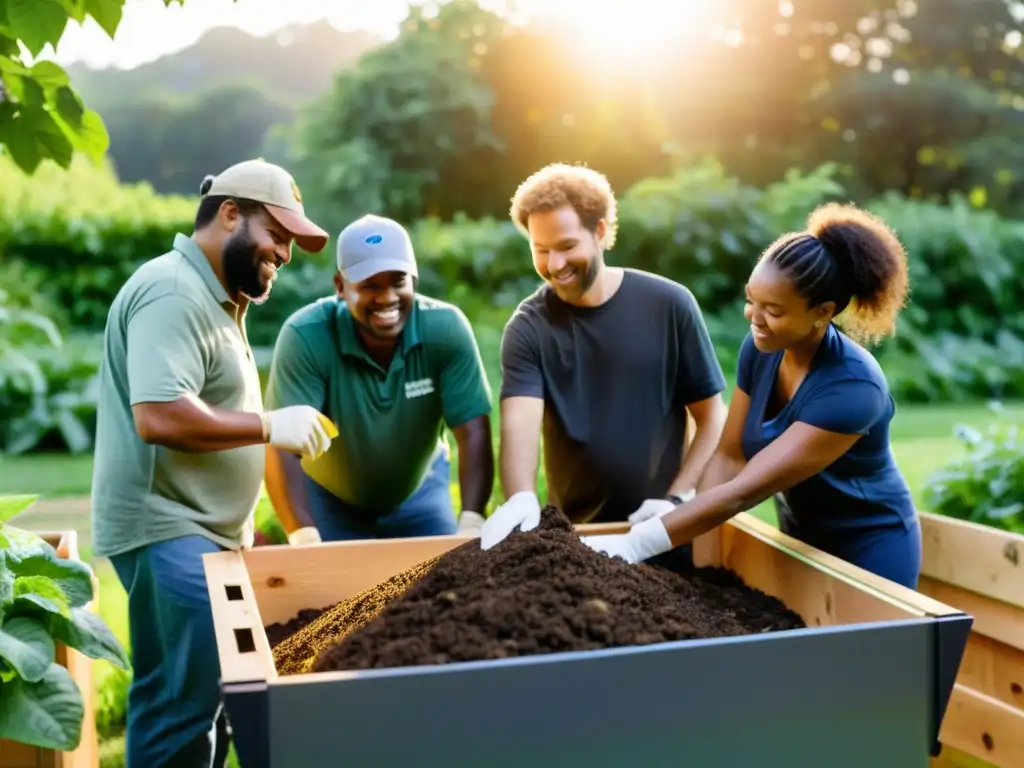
(273, 186)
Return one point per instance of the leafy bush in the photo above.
(86, 230)
(961, 337)
(986, 484)
(43, 599)
(47, 385)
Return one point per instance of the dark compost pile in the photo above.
(541, 591)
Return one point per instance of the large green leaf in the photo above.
(27, 646)
(46, 714)
(14, 505)
(86, 632)
(35, 595)
(107, 14)
(37, 22)
(72, 577)
(22, 544)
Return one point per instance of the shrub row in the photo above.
(81, 234)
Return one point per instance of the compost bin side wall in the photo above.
(844, 697)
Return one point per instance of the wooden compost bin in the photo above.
(14, 754)
(980, 570)
(866, 683)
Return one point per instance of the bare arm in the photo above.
(728, 459)
(476, 463)
(709, 416)
(286, 487)
(521, 419)
(189, 424)
(799, 453)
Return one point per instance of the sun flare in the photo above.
(627, 28)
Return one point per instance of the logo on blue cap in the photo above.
(374, 240)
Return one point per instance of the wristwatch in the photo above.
(680, 500)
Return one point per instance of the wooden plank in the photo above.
(863, 580)
(994, 669)
(974, 557)
(997, 620)
(241, 640)
(984, 727)
(772, 562)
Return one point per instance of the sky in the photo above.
(148, 30)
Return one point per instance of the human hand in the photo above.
(644, 541)
(657, 508)
(470, 523)
(300, 429)
(522, 509)
(308, 534)
(651, 508)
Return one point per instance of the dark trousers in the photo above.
(891, 551)
(427, 511)
(175, 715)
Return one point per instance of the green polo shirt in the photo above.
(172, 331)
(390, 422)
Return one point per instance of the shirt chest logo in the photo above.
(418, 388)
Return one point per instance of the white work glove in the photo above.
(656, 508)
(306, 535)
(298, 429)
(522, 510)
(644, 540)
(470, 523)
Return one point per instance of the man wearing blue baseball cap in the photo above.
(391, 368)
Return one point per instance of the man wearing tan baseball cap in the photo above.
(274, 187)
(181, 441)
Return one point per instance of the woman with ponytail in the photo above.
(809, 418)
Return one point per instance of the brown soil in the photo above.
(295, 653)
(542, 591)
(280, 631)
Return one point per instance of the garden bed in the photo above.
(980, 570)
(846, 689)
(543, 591)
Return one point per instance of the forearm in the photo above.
(698, 454)
(286, 487)
(190, 425)
(715, 505)
(519, 455)
(722, 468)
(476, 479)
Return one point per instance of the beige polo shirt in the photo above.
(172, 331)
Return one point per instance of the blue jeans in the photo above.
(427, 512)
(175, 715)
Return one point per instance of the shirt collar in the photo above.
(348, 338)
(194, 255)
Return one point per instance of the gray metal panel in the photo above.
(842, 697)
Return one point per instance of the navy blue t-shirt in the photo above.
(846, 392)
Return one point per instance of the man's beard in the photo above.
(242, 267)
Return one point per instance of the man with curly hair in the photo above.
(606, 363)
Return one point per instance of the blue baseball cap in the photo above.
(374, 244)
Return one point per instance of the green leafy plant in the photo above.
(42, 117)
(986, 484)
(44, 600)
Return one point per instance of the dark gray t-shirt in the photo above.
(615, 380)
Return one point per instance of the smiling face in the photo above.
(779, 316)
(255, 249)
(379, 305)
(565, 253)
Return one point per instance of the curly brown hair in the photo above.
(852, 257)
(559, 184)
